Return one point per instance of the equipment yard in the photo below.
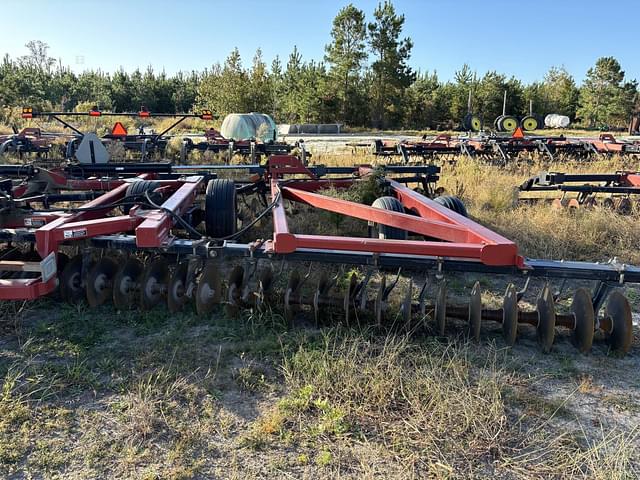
(256, 392)
(309, 240)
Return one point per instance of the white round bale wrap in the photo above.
(244, 126)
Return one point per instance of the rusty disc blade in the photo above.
(584, 317)
(348, 296)
(234, 291)
(475, 312)
(153, 283)
(177, 288)
(380, 302)
(441, 308)
(620, 335)
(125, 284)
(546, 329)
(406, 304)
(99, 284)
(291, 294)
(71, 283)
(510, 315)
(209, 289)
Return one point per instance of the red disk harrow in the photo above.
(172, 234)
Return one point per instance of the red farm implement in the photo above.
(615, 191)
(170, 235)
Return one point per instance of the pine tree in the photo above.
(391, 73)
(346, 55)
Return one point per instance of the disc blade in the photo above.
(348, 296)
(125, 284)
(510, 315)
(177, 288)
(234, 291)
(380, 304)
(441, 308)
(291, 294)
(620, 335)
(475, 312)
(584, 316)
(546, 328)
(406, 305)
(71, 284)
(153, 283)
(99, 284)
(209, 290)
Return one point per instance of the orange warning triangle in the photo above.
(518, 133)
(119, 130)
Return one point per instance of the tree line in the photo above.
(364, 80)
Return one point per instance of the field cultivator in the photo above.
(614, 191)
(89, 148)
(181, 238)
(501, 148)
(253, 149)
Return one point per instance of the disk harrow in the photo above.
(614, 191)
(174, 240)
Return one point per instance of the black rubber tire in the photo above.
(529, 123)
(136, 192)
(511, 119)
(392, 204)
(220, 208)
(452, 203)
(466, 122)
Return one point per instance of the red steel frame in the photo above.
(462, 237)
(152, 228)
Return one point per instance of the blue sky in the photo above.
(523, 38)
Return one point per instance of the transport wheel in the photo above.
(529, 123)
(220, 208)
(546, 319)
(177, 288)
(71, 286)
(475, 312)
(497, 123)
(126, 286)
(452, 203)
(99, 284)
(476, 124)
(209, 291)
(153, 283)
(466, 122)
(584, 317)
(510, 315)
(136, 192)
(618, 314)
(392, 204)
(508, 123)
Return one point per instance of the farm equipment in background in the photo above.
(175, 239)
(252, 149)
(442, 146)
(87, 147)
(27, 140)
(613, 191)
(509, 123)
